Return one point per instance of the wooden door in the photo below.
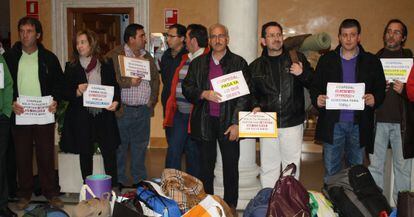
(105, 22)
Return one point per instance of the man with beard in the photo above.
(391, 117)
(277, 85)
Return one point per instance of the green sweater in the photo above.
(6, 94)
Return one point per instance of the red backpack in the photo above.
(289, 198)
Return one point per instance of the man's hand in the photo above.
(113, 106)
(233, 130)
(398, 86)
(369, 99)
(53, 107)
(256, 109)
(296, 68)
(210, 95)
(135, 81)
(322, 100)
(81, 89)
(17, 108)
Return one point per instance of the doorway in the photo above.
(107, 23)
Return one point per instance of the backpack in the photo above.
(354, 193)
(289, 197)
(257, 207)
(147, 194)
(45, 210)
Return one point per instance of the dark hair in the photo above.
(31, 21)
(404, 29)
(272, 23)
(349, 23)
(181, 30)
(131, 31)
(93, 43)
(199, 32)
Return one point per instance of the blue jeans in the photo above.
(390, 133)
(179, 142)
(134, 129)
(345, 145)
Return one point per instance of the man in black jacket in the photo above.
(393, 117)
(36, 72)
(277, 85)
(345, 133)
(212, 121)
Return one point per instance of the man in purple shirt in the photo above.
(212, 121)
(345, 133)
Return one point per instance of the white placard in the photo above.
(98, 96)
(230, 86)
(36, 110)
(259, 125)
(345, 96)
(397, 68)
(1, 76)
(134, 67)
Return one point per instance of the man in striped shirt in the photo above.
(178, 109)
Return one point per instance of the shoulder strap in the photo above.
(293, 56)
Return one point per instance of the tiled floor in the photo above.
(311, 172)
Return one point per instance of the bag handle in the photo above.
(292, 167)
(82, 194)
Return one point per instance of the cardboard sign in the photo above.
(98, 96)
(230, 86)
(259, 125)
(397, 68)
(134, 67)
(36, 110)
(345, 96)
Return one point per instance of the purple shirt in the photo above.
(215, 71)
(348, 76)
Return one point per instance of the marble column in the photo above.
(240, 17)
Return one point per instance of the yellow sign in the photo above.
(259, 125)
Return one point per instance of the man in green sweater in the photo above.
(6, 96)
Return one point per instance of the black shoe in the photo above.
(120, 186)
(6, 212)
(135, 186)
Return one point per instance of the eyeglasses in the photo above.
(171, 36)
(277, 35)
(221, 36)
(394, 32)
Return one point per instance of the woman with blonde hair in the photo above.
(85, 126)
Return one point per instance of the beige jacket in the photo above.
(125, 82)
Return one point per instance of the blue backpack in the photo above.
(257, 206)
(44, 210)
(153, 200)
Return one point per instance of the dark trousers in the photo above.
(43, 136)
(4, 142)
(108, 154)
(179, 142)
(230, 152)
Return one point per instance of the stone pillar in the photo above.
(240, 17)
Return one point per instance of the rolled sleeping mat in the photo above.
(316, 42)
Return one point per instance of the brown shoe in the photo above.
(23, 203)
(56, 202)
